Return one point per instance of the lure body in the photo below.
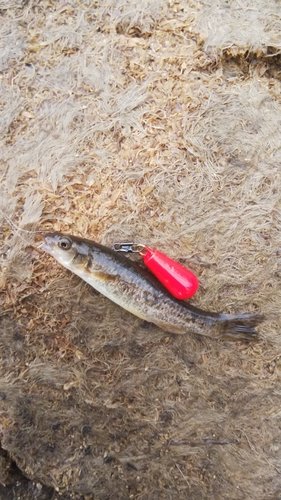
(180, 282)
(133, 288)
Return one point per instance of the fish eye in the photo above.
(64, 243)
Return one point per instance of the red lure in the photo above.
(180, 282)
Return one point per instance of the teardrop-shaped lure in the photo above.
(180, 282)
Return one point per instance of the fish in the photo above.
(135, 289)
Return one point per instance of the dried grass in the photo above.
(241, 26)
(118, 120)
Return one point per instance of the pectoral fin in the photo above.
(104, 276)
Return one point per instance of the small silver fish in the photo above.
(136, 290)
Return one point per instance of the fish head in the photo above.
(62, 247)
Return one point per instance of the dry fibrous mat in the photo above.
(155, 122)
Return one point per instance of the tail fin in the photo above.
(239, 327)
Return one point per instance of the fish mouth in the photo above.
(44, 246)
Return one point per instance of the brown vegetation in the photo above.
(157, 122)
